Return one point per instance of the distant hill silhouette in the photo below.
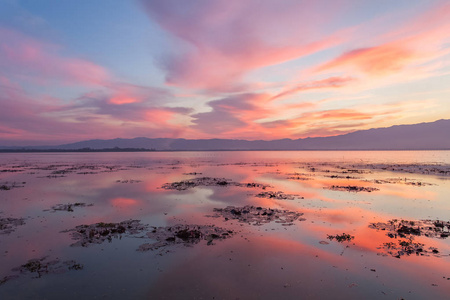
(423, 136)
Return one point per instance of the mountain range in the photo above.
(423, 136)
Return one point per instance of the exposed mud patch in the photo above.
(208, 181)
(68, 207)
(430, 169)
(407, 247)
(98, 233)
(8, 225)
(340, 238)
(6, 186)
(128, 181)
(405, 232)
(186, 235)
(42, 266)
(406, 229)
(299, 176)
(352, 188)
(405, 181)
(342, 177)
(277, 195)
(13, 168)
(258, 215)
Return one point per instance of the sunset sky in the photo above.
(77, 70)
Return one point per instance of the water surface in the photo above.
(337, 192)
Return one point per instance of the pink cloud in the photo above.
(380, 60)
(43, 120)
(230, 115)
(227, 39)
(127, 102)
(331, 82)
(321, 123)
(418, 41)
(243, 115)
(25, 57)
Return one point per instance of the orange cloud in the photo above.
(380, 60)
(119, 100)
(332, 82)
(418, 41)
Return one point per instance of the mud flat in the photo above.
(426, 169)
(405, 181)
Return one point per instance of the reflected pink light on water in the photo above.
(124, 203)
(299, 256)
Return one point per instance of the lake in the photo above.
(225, 225)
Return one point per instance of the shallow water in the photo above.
(259, 260)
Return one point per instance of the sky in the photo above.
(200, 69)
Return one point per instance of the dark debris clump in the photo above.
(185, 234)
(431, 169)
(129, 181)
(100, 232)
(67, 207)
(193, 173)
(406, 247)
(299, 176)
(208, 181)
(258, 215)
(277, 195)
(405, 232)
(405, 181)
(8, 225)
(42, 266)
(352, 188)
(340, 238)
(9, 186)
(406, 229)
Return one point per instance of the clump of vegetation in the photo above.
(407, 247)
(8, 186)
(208, 181)
(129, 181)
(101, 232)
(4, 187)
(68, 207)
(353, 188)
(340, 238)
(258, 215)
(276, 195)
(42, 266)
(8, 225)
(407, 229)
(186, 235)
